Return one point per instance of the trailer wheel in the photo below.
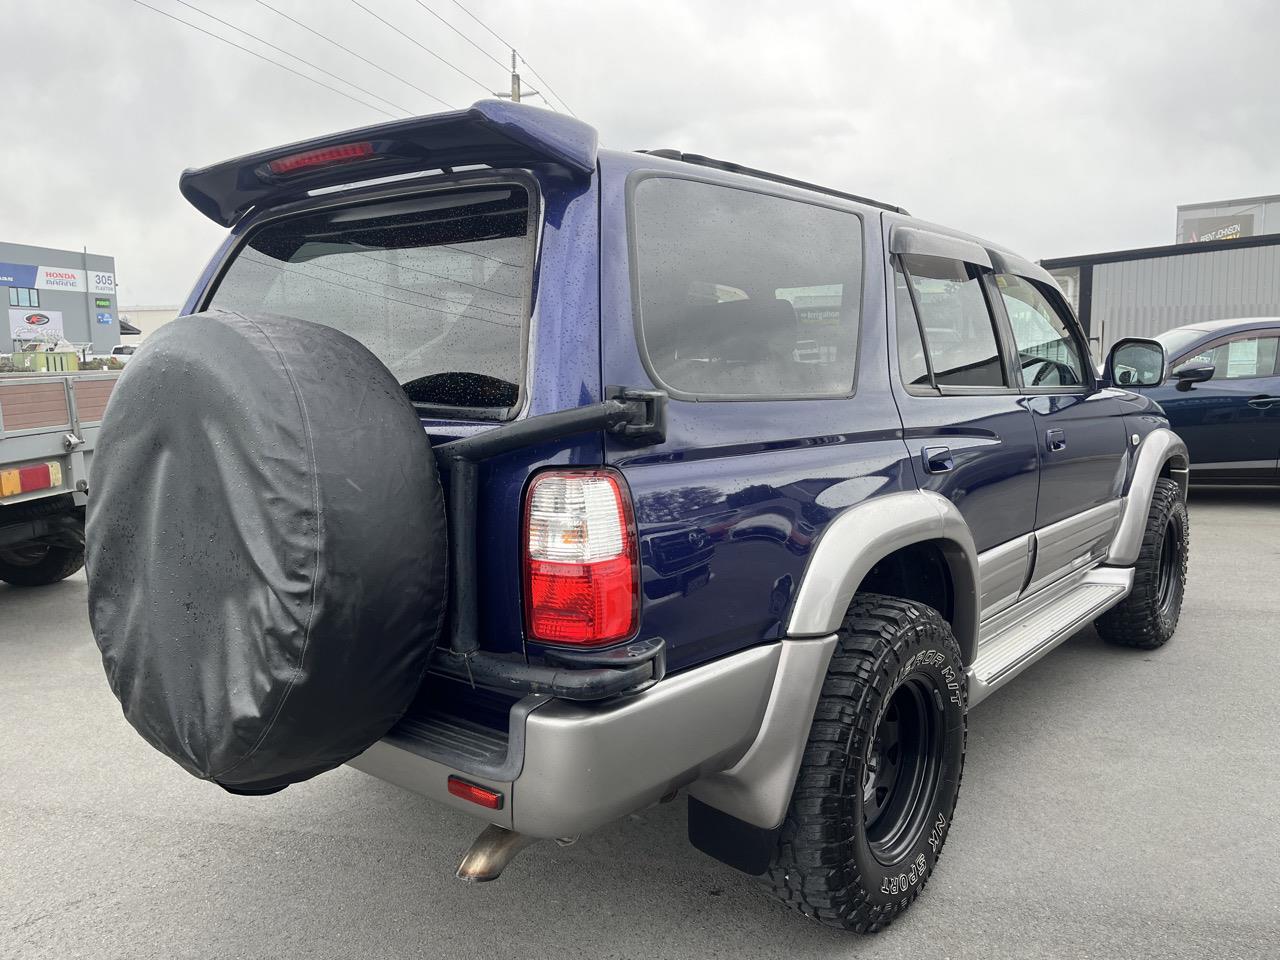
(39, 564)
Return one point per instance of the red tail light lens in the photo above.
(581, 565)
(324, 157)
(36, 476)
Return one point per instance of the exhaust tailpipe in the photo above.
(490, 853)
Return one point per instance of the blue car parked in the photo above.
(548, 481)
(1223, 397)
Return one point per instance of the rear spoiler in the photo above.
(491, 132)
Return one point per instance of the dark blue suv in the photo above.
(736, 484)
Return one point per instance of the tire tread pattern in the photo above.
(58, 564)
(814, 870)
(1137, 620)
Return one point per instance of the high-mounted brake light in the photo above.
(35, 476)
(581, 563)
(324, 157)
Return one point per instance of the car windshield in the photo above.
(435, 285)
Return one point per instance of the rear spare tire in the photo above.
(266, 548)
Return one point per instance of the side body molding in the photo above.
(862, 536)
(1161, 446)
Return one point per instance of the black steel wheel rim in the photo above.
(903, 767)
(1167, 570)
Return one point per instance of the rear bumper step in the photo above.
(565, 768)
(568, 675)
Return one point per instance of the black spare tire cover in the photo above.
(266, 547)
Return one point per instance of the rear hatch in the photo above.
(436, 284)
(462, 282)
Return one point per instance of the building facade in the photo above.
(1139, 293)
(1228, 219)
(58, 296)
(147, 319)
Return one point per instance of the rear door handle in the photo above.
(937, 459)
(1055, 440)
(1264, 403)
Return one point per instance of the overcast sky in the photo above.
(1052, 127)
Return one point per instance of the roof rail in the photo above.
(728, 167)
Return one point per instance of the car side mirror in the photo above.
(1189, 374)
(1135, 362)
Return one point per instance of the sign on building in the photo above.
(56, 278)
(27, 323)
(1195, 229)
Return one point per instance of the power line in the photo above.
(480, 83)
(440, 276)
(461, 34)
(482, 23)
(374, 64)
(408, 303)
(510, 46)
(547, 86)
(264, 59)
(268, 43)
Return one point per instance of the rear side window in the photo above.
(435, 285)
(744, 295)
(959, 334)
(915, 371)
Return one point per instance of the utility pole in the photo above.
(516, 90)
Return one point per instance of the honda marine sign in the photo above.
(27, 323)
(57, 278)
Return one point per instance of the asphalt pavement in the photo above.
(1116, 804)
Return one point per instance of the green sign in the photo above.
(101, 302)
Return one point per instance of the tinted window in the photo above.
(1241, 359)
(958, 330)
(434, 285)
(911, 362)
(1047, 350)
(746, 295)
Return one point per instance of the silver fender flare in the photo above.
(1158, 448)
(757, 789)
(864, 535)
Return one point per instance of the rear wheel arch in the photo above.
(913, 545)
(921, 572)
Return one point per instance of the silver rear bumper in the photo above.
(577, 766)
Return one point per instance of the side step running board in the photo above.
(1021, 635)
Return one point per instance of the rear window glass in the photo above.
(745, 295)
(436, 286)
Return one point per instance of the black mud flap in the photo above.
(735, 842)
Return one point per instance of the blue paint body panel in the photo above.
(730, 506)
(1232, 433)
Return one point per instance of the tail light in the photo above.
(37, 476)
(581, 569)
